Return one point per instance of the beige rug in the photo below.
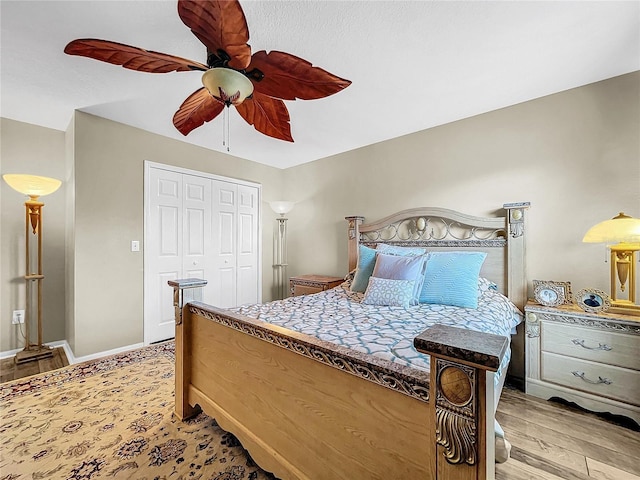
(112, 418)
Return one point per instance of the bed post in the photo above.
(354, 239)
(184, 291)
(517, 282)
(463, 365)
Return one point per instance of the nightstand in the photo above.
(592, 359)
(307, 284)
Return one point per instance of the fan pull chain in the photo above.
(225, 128)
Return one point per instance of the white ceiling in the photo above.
(413, 64)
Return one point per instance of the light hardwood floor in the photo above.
(551, 441)
(10, 371)
(554, 441)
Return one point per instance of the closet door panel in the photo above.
(247, 245)
(196, 211)
(164, 251)
(224, 258)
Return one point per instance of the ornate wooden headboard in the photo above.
(501, 237)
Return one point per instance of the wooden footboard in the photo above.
(306, 409)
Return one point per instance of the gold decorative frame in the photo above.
(565, 296)
(583, 296)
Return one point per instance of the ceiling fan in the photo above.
(255, 84)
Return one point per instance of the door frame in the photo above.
(148, 165)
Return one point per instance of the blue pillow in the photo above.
(364, 269)
(388, 292)
(396, 267)
(451, 278)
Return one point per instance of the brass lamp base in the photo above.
(624, 308)
(38, 353)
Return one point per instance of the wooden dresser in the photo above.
(592, 359)
(307, 284)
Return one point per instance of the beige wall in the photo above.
(35, 150)
(109, 172)
(574, 155)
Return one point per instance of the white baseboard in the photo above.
(69, 353)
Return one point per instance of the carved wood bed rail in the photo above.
(307, 409)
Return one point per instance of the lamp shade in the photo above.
(32, 185)
(621, 228)
(227, 86)
(281, 206)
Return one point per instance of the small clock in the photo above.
(549, 294)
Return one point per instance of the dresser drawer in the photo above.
(590, 344)
(603, 380)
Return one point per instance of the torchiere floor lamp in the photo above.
(35, 187)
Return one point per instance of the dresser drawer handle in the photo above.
(601, 346)
(606, 381)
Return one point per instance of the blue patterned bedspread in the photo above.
(339, 316)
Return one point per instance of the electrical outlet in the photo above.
(18, 317)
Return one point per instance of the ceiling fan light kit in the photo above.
(227, 86)
(256, 84)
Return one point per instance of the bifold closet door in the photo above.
(198, 227)
(179, 226)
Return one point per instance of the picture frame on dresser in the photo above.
(552, 293)
(593, 300)
(588, 358)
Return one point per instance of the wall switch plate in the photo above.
(18, 317)
(135, 246)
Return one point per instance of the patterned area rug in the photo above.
(112, 418)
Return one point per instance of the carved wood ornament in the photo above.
(221, 26)
(456, 412)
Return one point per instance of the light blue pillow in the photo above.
(364, 268)
(388, 292)
(396, 267)
(398, 250)
(451, 278)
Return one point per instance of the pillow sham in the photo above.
(389, 292)
(395, 267)
(451, 278)
(364, 268)
(398, 250)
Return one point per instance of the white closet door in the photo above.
(247, 277)
(196, 229)
(198, 226)
(164, 251)
(224, 244)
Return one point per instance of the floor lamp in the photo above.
(280, 254)
(35, 187)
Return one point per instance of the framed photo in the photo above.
(592, 300)
(552, 294)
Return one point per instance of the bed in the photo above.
(308, 403)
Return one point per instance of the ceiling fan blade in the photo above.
(289, 77)
(220, 25)
(267, 115)
(198, 108)
(133, 58)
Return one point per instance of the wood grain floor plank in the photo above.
(543, 465)
(580, 443)
(516, 470)
(602, 471)
(548, 451)
(546, 414)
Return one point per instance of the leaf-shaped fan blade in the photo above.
(289, 77)
(199, 108)
(220, 25)
(130, 57)
(267, 115)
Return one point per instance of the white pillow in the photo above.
(387, 292)
(394, 267)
